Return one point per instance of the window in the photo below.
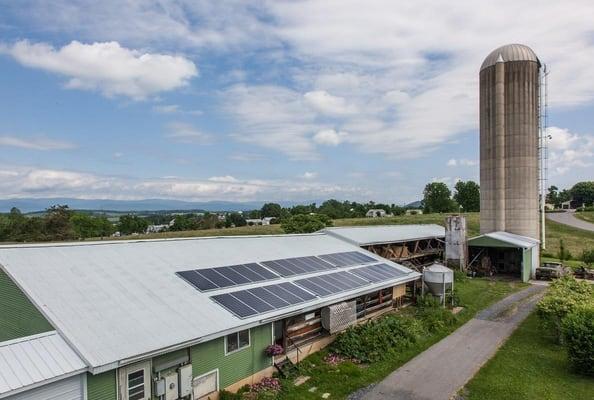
(136, 385)
(237, 341)
(135, 382)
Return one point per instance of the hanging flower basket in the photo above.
(274, 350)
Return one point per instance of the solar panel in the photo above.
(378, 272)
(297, 265)
(347, 259)
(250, 302)
(221, 277)
(329, 284)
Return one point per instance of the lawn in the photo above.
(587, 216)
(348, 377)
(575, 240)
(530, 365)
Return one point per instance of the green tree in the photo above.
(553, 195)
(87, 226)
(437, 198)
(468, 196)
(129, 224)
(271, 210)
(306, 223)
(57, 224)
(235, 219)
(583, 193)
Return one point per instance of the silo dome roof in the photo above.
(510, 52)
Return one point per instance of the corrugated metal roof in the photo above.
(35, 360)
(510, 238)
(510, 52)
(380, 234)
(115, 301)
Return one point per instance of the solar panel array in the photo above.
(330, 284)
(347, 259)
(246, 303)
(297, 265)
(221, 277)
(378, 272)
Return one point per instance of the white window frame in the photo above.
(216, 371)
(239, 348)
(123, 373)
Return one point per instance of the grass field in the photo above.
(529, 366)
(587, 216)
(347, 377)
(575, 240)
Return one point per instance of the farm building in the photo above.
(175, 318)
(504, 253)
(412, 245)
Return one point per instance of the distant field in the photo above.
(575, 240)
(587, 216)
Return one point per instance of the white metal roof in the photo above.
(36, 360)
(381, 234)
(511, 238)
(115, 302)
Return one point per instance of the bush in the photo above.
(378, 339)
(303, 223)
(433, 315)
(578, 339)
(563, 253)
(565, 295)
(588, 257)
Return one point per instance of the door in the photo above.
(65, 389)
(135, 381)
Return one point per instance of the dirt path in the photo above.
(441, 370)
(568, 218)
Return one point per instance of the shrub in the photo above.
(588, 257)
(564, 296)
(433, 315)
(563, 253)
(378, 339)
(578, 339)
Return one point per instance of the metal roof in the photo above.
(36, 360)
(510, 238)
(382, 234)
(116, 302)
(510, 52)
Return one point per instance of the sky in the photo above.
(272, 100)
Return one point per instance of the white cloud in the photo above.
(34, 182)
(35, 143)
(309, 175)
(185, 133)
(166, 109)
(328, 104)
(226, 178)
(106, 67)
(463, 162)
(329, 137)
(570, 152)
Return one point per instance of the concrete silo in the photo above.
(509, 139)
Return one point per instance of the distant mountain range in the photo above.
(27, 205)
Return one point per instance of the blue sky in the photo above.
(273, 100)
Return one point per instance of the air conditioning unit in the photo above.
(338, 317)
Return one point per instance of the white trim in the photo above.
(122, 387)
(43, 383)
(216, 370)
(239, 348)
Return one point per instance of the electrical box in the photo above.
(160, 387)
(185, 380)
(171, 388)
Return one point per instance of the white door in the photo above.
(135, 381)
(65, 389)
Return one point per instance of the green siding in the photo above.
(102, 386)
(232, 368)
(169, 358)
(485, 241)
(526, 264)
(18, 317)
